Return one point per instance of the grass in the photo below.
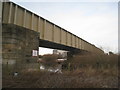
(88, 71)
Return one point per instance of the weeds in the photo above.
(88, 71)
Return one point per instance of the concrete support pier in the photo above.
(17, 46)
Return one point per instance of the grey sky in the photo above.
(95, 22)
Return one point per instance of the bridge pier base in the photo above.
(17, 46)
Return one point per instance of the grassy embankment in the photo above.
(81, 71)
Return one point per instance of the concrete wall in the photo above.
(17, 46)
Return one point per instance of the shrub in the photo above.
(49, 60)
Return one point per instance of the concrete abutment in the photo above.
(17, 46)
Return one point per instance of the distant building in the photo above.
(62, 53)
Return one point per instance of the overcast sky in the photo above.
(95, 22)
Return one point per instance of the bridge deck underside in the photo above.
(48, 44)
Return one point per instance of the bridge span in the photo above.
(24, 31)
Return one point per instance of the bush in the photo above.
(94, 61)
(89, 71)
(49, 60)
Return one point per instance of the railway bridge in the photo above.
(24, 31)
